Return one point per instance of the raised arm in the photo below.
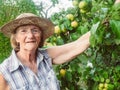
(3, 83)
(65, 53)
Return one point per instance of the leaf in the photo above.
(96, 78)
(94, 28)
(100, 35)
(115, 25)
(93, 34)
(110, 86)
(84, 29)
(116, 9)
(105, 74)
(117, 68)
(116, 6)
(68, 76)
(117, 41)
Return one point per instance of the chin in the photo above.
(31, 48)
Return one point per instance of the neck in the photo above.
(27, 56)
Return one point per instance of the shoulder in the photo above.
(44, 52)
(45, 56)
(3, 83)
(5, 63)
(4, 66)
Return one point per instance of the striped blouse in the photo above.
(20, 77)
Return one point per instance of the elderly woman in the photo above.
(29, 67)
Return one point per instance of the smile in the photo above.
(31, 42)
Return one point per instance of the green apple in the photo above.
(83, 4)
(70, 17)
(75, 3)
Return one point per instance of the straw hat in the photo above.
(25, 19)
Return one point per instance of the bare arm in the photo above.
(65, 53)
(3, 83)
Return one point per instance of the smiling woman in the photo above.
(28, 37)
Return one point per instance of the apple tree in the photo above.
(98, 67)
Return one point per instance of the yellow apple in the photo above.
(101, 85)
(106, 85)
(57, 30)
(62, 72)
(74, 24)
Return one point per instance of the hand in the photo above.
(117, 1)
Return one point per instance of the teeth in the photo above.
(31, 42)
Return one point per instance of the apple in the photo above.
(57, 30)
(104, 89)
(70, 17)
(102, 79)
(107, 80)
(82, 11)
(75, 3)
(101, 85)
(83, 4)
(74, 24)
(62, 72)
(106, 85)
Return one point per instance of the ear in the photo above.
(16, 38)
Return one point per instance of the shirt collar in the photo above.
(15, 63)
(39, 57)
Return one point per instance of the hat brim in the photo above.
(45, 24)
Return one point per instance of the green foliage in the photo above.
(98, 67)
(4, 47)
(54, 2)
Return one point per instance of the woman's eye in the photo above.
(35, 30)
(23, 31)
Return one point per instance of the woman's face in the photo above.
(28, 37)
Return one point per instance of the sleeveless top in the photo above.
(20, 77)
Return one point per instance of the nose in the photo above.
(30, 34)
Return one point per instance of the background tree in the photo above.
(98, 67)
(44, 8)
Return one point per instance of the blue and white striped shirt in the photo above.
(20, 77)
